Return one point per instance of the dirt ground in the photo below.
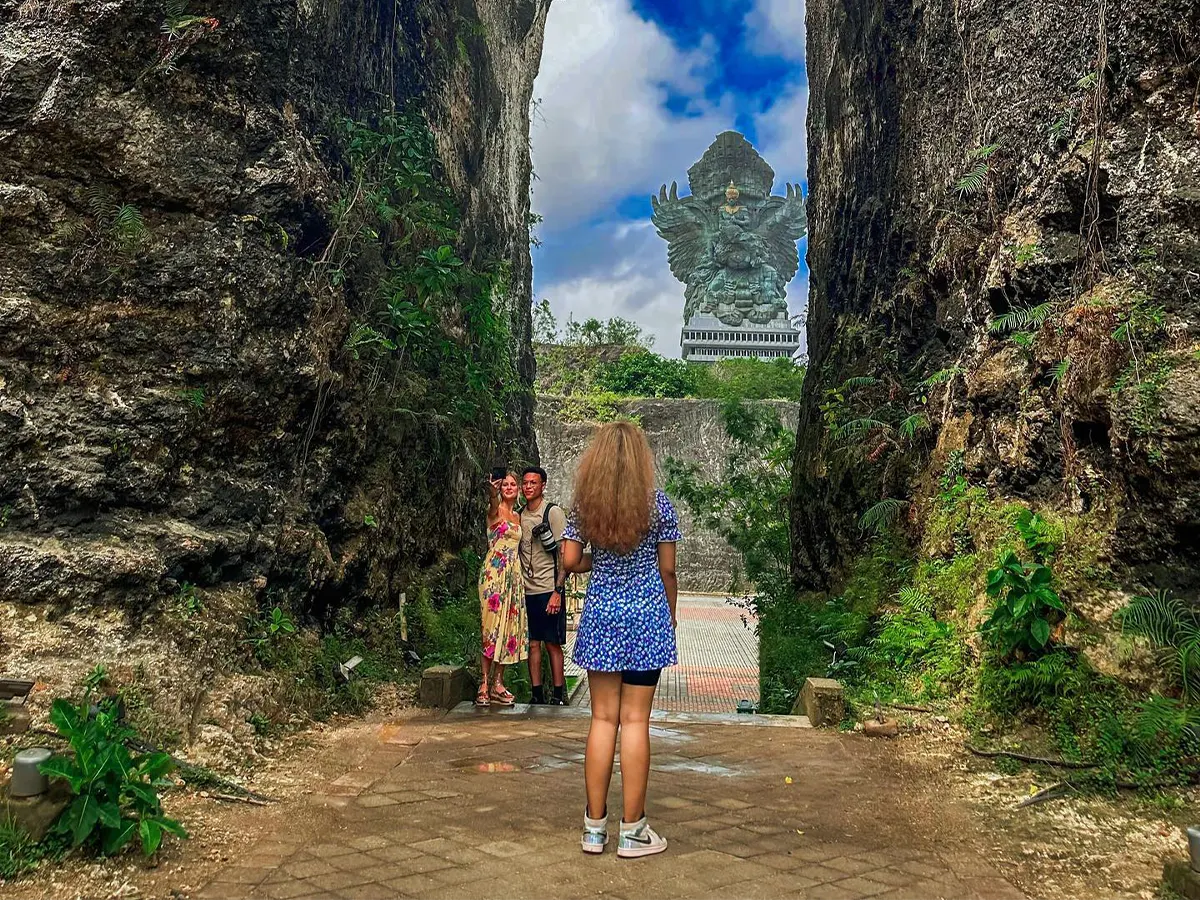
(1073, 848)
(1077, 847)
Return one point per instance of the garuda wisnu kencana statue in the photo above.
(731, 242)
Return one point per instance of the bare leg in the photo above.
(499, 670)
(602, 739)
(535, 662)
(636, 701)
(556, 663)
(486, 680)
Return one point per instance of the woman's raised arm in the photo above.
(574, 559)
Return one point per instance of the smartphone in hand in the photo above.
(498, 473)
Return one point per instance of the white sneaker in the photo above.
(639, 839)
(595, 834)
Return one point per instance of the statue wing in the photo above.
(683, 224)
(782, 222)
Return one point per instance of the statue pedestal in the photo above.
(707, 339)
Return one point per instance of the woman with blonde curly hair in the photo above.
(627, 633)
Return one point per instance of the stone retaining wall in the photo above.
(690, 430)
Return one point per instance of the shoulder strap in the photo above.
(554, 555)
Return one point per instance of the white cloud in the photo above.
(637, 285)
(783, 136)
(603, 130)
(776, 28)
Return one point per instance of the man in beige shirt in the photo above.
(544, 579)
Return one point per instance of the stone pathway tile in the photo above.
(497, 820)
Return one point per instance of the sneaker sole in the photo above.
(639, 851)
(593, 848)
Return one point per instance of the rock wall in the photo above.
(984, 170)
(177, 405)
(688, 430)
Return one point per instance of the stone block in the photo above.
(36, 814)
(14, 718)
(1185, 880)
(445, 686)
(823, 701)
(876, 728)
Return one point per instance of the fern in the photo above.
(1060, 371)
(128, 228)
(1022, 339)
(912, 600)
(942, 376)
(881, 515)
(858, 427)
(914, 423)
(858, 381)
(102, 205)
(986, 151)
(1047, 674)
(1021, 318)
(972, 183)
(1173, 628)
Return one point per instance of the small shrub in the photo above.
(650, 375)
(116, 794)
(1026, 609)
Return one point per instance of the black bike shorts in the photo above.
(648, 678)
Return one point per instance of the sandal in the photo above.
(481, 699)
(503, 697)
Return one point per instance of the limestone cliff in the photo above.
(1005, 241)
(177, 400)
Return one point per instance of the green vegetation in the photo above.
(432, 317)
(599, 364)
(1027, 606)
(20, 854)
(116, 793)
(900, 626)
(973, 180)
(747, 505)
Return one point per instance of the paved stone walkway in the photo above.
(718, 660)
(487, 805)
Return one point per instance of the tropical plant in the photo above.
(1173, 629)
(881, 515)
(115, 794)
(972, 181)
(1027, 606)
(1021, 318)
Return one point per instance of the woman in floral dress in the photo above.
(627, 633)
(502, 595)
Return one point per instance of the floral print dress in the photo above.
(502, 597)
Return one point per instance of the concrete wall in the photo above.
(689, 430)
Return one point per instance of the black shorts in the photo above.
(648, 678)
(542, 626)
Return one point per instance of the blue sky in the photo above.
(631, 93)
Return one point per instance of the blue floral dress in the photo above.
(626, 623)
